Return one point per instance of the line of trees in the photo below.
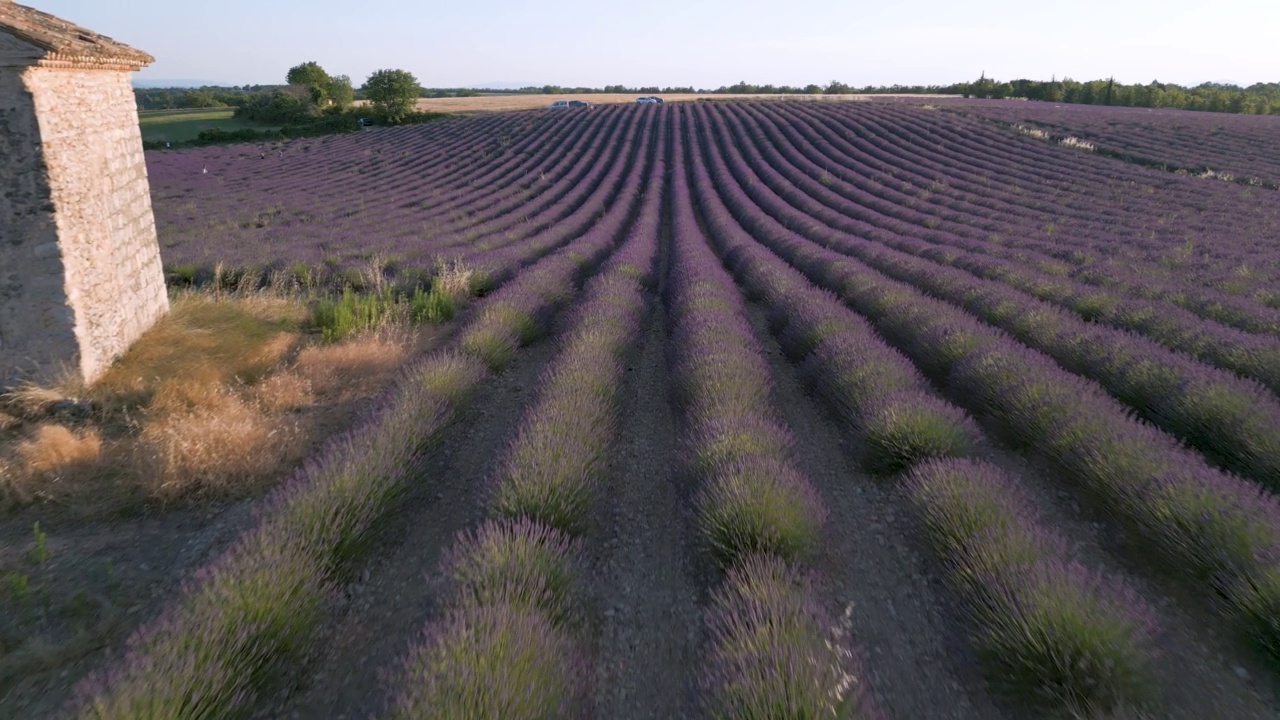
(834, 87)
(310, 90)
(202, 97)
(1256, 99)
(312, 93)
(309, 95)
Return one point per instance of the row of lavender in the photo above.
(514, 639)
(517, 314)
(253, 611)
(1200, 246)
(1215, 529)
(775, 648)
(1022, 590)
(397, 211)
(1239, 144)
(1032, 197)
(1034, 180)
(1235, 421)
(1178, 235)
(313, 209)
(802, 152)
(1206, 244)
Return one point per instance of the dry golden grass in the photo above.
(283, 392)
(57, 451)
(220, 398)
(224, 448)
(355, 368)
(204, 340)
(499, 103)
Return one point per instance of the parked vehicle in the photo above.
(648, 99)
(579, 103)
(569, 104)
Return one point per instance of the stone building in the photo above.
(80, 275)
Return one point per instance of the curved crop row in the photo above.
(510, 645)
(1244, 248)
(479, 192)
(773, 652)
(1236, 421)
(1018, 227)
(254, 610)
(571, 215)
(1218, 141)
(1216, 528)
(518, 312)
(1040, 630)
(1167, 323)
(1226, 228)
(549, 199)
(287, 207)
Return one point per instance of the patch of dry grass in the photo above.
(223, 396)
(225, 447)
(206, 340)
(55, 454)
(355, 368)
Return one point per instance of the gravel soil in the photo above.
(915, 658)
(647, 578)
(383, 610)
(102, 580)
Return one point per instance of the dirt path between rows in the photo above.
(916, 661)
(648, 589)
(1202, 673)
(383, 612)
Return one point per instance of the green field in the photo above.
(185, 124)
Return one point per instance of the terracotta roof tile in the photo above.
(65, 41)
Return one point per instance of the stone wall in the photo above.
(37, 325)
(79, 251)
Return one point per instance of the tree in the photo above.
(340, 91)
(392, 93)
(308, 73)
(287, 106)
(313, 77)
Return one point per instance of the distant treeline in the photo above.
(1257, 99)
(741, 88)
(204, 97)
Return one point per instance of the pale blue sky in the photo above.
(704, 43)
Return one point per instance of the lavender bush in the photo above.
(493, 661)
(775, 653)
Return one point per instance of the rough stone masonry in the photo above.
(80, 274)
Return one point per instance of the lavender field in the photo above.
(760, 410)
